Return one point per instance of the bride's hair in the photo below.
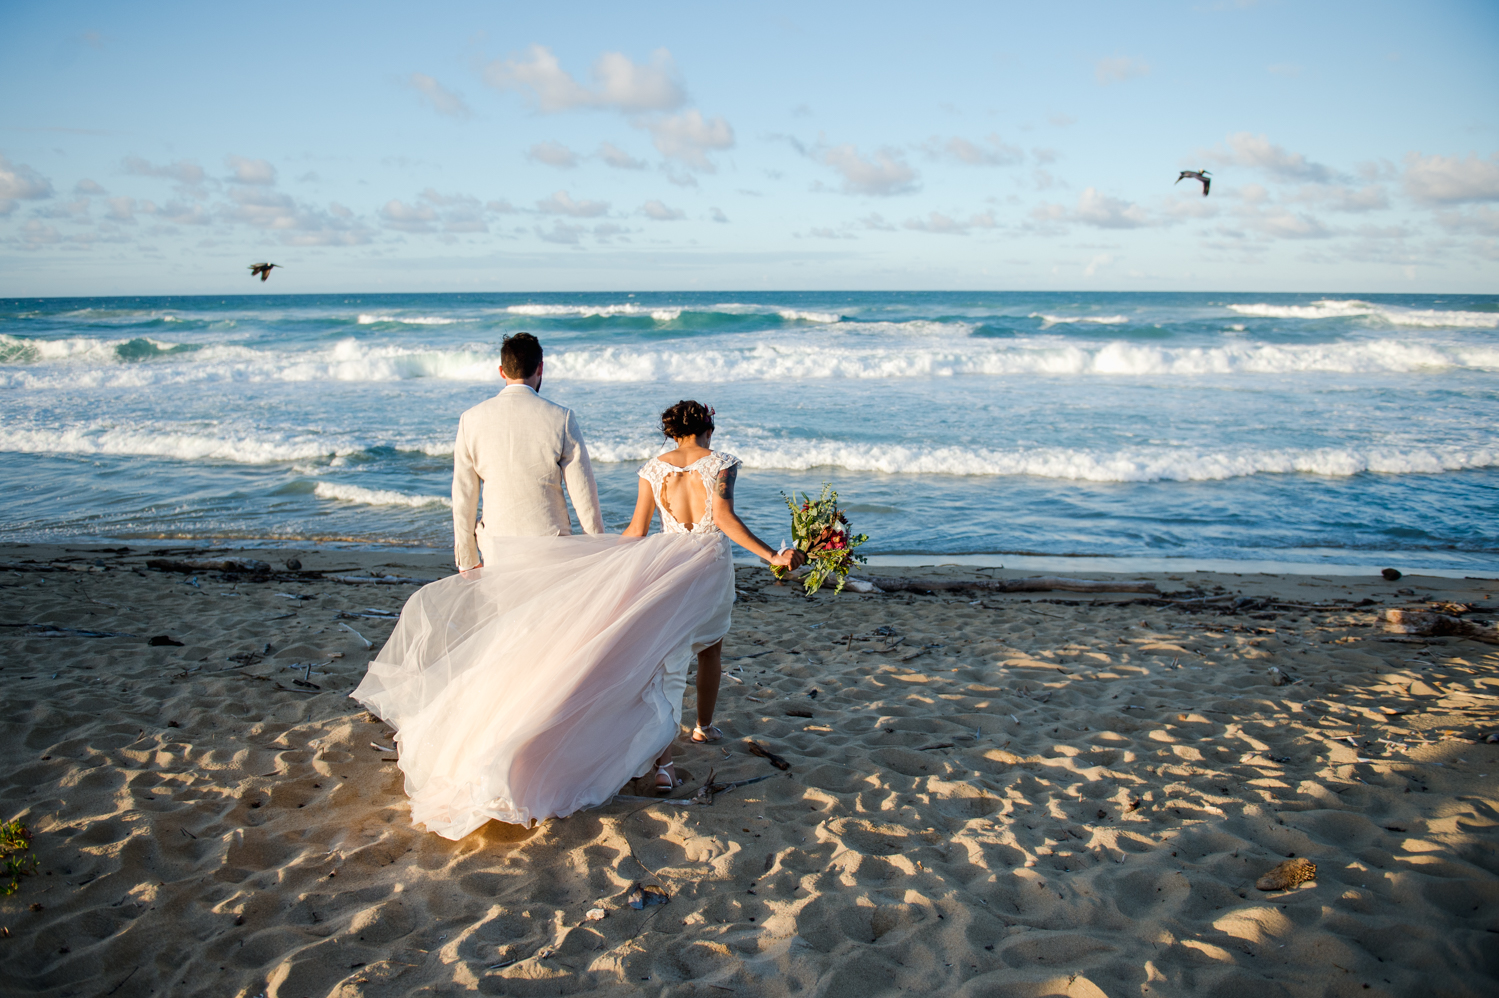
(687, 419)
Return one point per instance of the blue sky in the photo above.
(160, 148)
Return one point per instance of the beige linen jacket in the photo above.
(521, 449)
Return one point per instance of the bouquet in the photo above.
(820, 531)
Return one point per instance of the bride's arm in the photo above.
(645, 506)
(728, 521)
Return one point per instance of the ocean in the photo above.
(1050, 429)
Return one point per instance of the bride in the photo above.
(540, 684)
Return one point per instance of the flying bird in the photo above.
(263, 269)
(1201, 175)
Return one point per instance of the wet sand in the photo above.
(1029, 794)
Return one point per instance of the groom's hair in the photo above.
(520, 355)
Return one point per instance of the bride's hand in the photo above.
(788, 558)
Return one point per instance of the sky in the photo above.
(161, 148)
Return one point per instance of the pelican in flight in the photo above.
(1201, 175)
(263, 269)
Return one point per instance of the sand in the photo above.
(1038, 794)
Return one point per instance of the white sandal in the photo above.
(707, 735)
(672, 780)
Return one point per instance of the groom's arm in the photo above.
(466, 484)
(577, 472)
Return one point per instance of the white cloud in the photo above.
(250, 171)
(185, 173)
(717, 215)
(21, 183)
(1100, 260)
(76, 210)
(661, 213)
(618, 83)
(1104, 212)
(1371, 197)
(681, 178)
(177, 213)
(1283, 69)
(87, 186)
(1482, 220)
(303, 225)
(1061, 120)
(1450, 179)
(1284, 224)
(405, 217)
(1259, 153)
(941, 224)
(561, 203)
(561, 232)
(997, 153)
(434, 211)
(614, 156)
(1118, 68)
(36, 234)
(876, 222)
(123, 209)
(553, 154)
(823, 232)
(883, 174)
(688, 137)
(443, 101)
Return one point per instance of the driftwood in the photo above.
(246, 565)
(755, 748)
(1041, 583)
(1424, 624)
(375, 580)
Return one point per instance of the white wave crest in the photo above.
(768, 361)
(186, 446)
(1047, 321)
(375, 497)
(861, 357)
(71, 349)
(1329, 308)
(1143, 465)
(658, 314)
(409, 320)
(795, 315)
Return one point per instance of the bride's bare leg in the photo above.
(709, 674)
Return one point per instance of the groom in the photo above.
(521, 449)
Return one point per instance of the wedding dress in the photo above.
(542, 683)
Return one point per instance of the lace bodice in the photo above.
(708, 468)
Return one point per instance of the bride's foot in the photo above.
(666, 779)
(708, 734)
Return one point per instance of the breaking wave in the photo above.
(376, 497)
(75, 364)
(1329, 308)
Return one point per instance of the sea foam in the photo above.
(1329, 308)
(71, 366)
(1047, 321)
(375, 497)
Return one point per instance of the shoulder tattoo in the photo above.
(725, 487)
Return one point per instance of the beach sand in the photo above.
(1031, 794)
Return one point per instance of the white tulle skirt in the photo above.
(551, 677)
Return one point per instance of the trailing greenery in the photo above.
(15, 850)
